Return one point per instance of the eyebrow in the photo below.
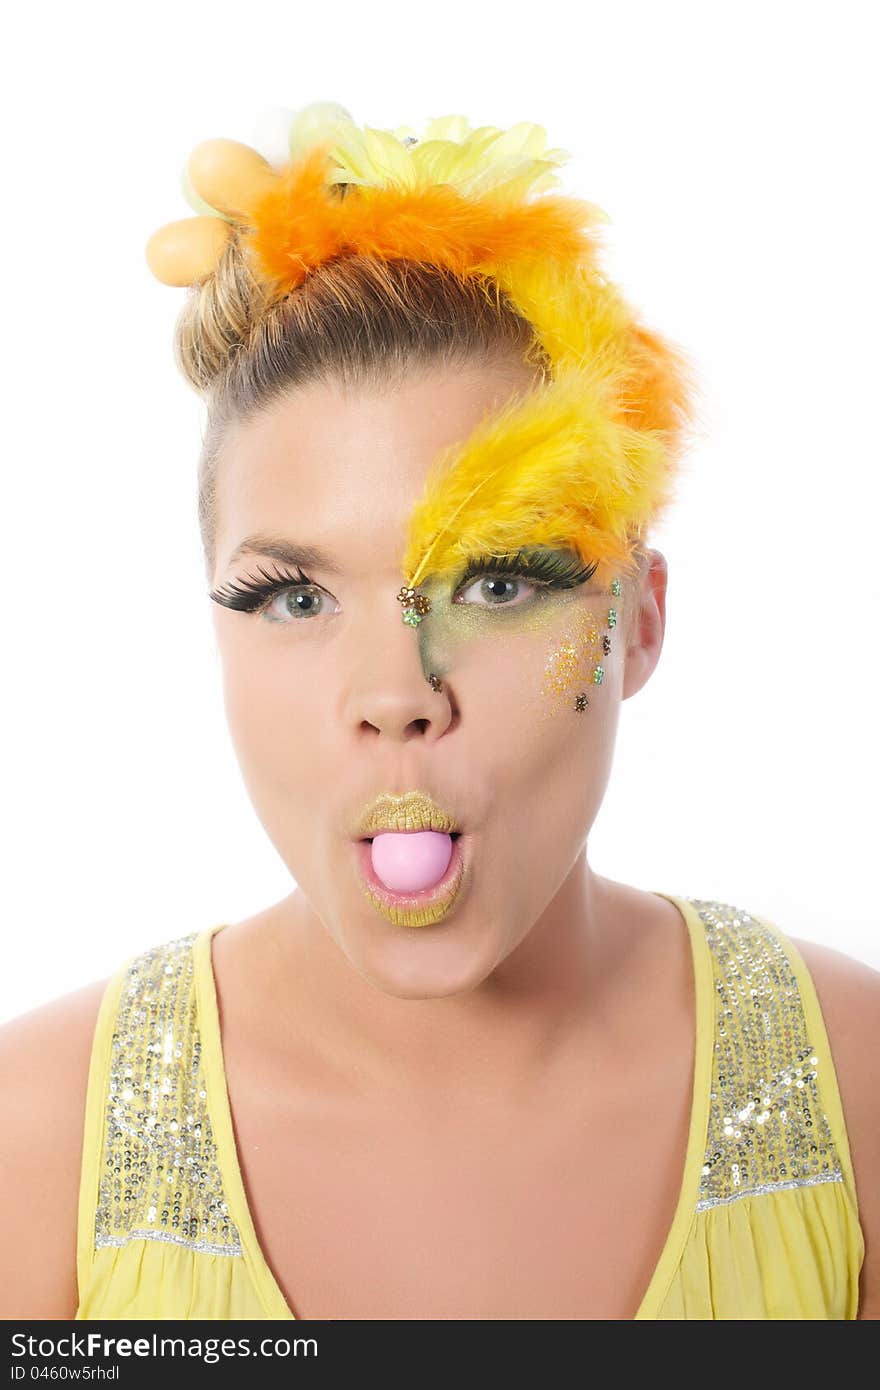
(287, 551)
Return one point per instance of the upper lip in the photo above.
(414, 810)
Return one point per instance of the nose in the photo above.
(390, 692)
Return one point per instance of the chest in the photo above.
(554, 1212)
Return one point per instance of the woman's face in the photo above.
(327, 697)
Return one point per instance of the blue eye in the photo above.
(497, 597)
(296, 614)
(257, 596)
(547, 569)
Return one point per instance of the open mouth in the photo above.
(414, 907)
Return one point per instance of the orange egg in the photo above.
(229, 175)
(185, 252)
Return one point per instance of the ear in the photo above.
(646, 626)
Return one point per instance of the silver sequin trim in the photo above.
(767, 1131)
(769, 1187)
(206, 1246)
(159, 1175)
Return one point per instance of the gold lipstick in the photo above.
(414, 810)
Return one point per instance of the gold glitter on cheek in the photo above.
(570, 666)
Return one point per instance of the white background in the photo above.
(734, 148)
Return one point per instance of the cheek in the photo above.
(538, 697)
(275, 711)
(539, 729)
(579, 708)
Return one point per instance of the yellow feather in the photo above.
(578, 316)
(549, 468)
(561, 465)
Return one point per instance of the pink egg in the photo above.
(410, 861)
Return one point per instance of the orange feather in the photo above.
(300, 223)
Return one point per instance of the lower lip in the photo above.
(414, 909)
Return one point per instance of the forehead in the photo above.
(342, 466)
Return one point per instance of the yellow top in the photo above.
(767, 1222)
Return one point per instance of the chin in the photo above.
(436, 962)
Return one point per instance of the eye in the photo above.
(295, 603)
(496, 589)
(279, 598)
(543, 571)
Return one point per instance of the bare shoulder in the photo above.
(44, 1068)
(849, 996)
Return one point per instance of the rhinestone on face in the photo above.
(415, 606)
(567, 664)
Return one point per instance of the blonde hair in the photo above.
(360, 320)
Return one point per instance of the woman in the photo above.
(456, 1073)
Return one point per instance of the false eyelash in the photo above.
(249, 596)
(548, 567)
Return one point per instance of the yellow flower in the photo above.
(451, 152)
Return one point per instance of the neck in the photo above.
(568, 986)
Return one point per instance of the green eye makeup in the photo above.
(494, 600)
